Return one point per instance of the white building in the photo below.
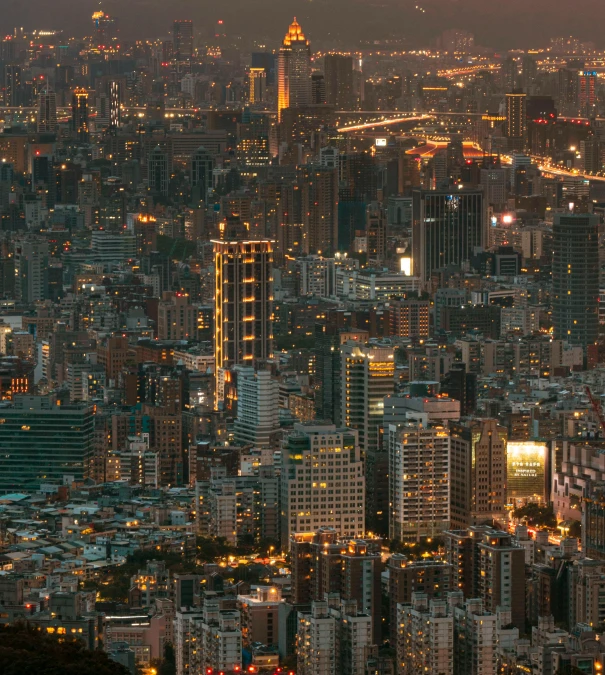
(317, 276)
(257, 406)
(419, 479)
(437, 408)
(322, 482)
(425, 637)
(222, 506)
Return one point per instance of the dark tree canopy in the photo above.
(25, 650)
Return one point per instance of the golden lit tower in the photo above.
(294, 70)
(243, 305)
(79, 114)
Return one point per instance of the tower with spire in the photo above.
(294, 70)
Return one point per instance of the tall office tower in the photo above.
(409, 318)
(510, 74)
(115, 102)
(568, 90)
(157, 172)
(319, 208)
(575, 278)
(257, 418)
(293, 70)
(105, 30)
(31, 270)
(43, 442)
(530, 73)
(182, 40)
(418, 478)
(257, 85)
(318, 89)
(338, 70)
(367, 376)
(425, 637)
(587, 92)
(47, 112)
(493, 181)
(202, 164)
(177, 317)
(516, 120)
(13, 86)
(243, 306)
(477, 473)
(320, 503)
(79, 114)
(501, 574)
(447, 228)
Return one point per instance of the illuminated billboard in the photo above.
(526, 462)
(381, 143)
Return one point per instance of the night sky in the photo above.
(499, 24)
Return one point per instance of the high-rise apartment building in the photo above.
(478, 472)
(13, 92)
(47, 112)
(177, 317)
(293, 70)
(243, 303)
(338, 69)
(79, 115)
(425, 637)
(315, 460)
(44, 442)
(31, 270)
(419, 484)
(367, 376)
(575, 278)
(447, 228)
(182, 40)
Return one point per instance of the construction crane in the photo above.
(596, 406)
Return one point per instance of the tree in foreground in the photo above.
(25, 650)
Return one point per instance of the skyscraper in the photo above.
(293, 70)
(367, 376)
(157, 172)
(338, 69)
(105, 29)
(47, 112)
(43, 441)
(516, 120)
(182, 39)
(12, 85)
(115, 100)
(418, 479)
(243, 305)
(334, 500)
(257, 85)
(79, 114)
(587, 94)
(31, 270)
(202, 164)
(575, 278)
(319, 208)
(447, 227)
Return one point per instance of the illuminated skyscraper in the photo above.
(157, 172)
(516, 120)
(294, 70)
(47, 112)
(115, 99)
(182, 40)
(79, 114)
(587, 95)
(257, 90)
(243, 306)
(575, 278)
(105, 29)
(12, 85)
